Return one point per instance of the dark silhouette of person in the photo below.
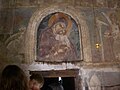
(36, 82)
(13, 78)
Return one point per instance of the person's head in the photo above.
(59, 28)
(61, 22)
(13, 78)
(36, 82)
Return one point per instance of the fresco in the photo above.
(34, 2)
(21, 18)
(6, 21)
(108, 28)
(104, 30)
(113, 3)
(106, 3)
(89, 17)
(21, 2)
(58, 38)
(85, 3)
(7, 3)
(98, 3)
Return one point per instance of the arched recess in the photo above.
(37, 17)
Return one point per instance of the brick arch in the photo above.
(37, 17)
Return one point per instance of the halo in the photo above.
(56, 17)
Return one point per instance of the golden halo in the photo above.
(56, 17)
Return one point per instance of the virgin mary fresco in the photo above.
(56, 41)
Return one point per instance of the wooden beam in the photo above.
(58, 73)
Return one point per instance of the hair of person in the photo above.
(13, 78)
(38, 77)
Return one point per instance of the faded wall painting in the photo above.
(58, 38)
(108, 28)
(6, 21)
(21, 18)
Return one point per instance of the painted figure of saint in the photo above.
(111, 37)
(54, 41)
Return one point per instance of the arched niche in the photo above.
(36, 19)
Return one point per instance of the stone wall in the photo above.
(102, 19)
(100, 65)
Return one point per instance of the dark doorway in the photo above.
(69, 79)
(68, 83)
